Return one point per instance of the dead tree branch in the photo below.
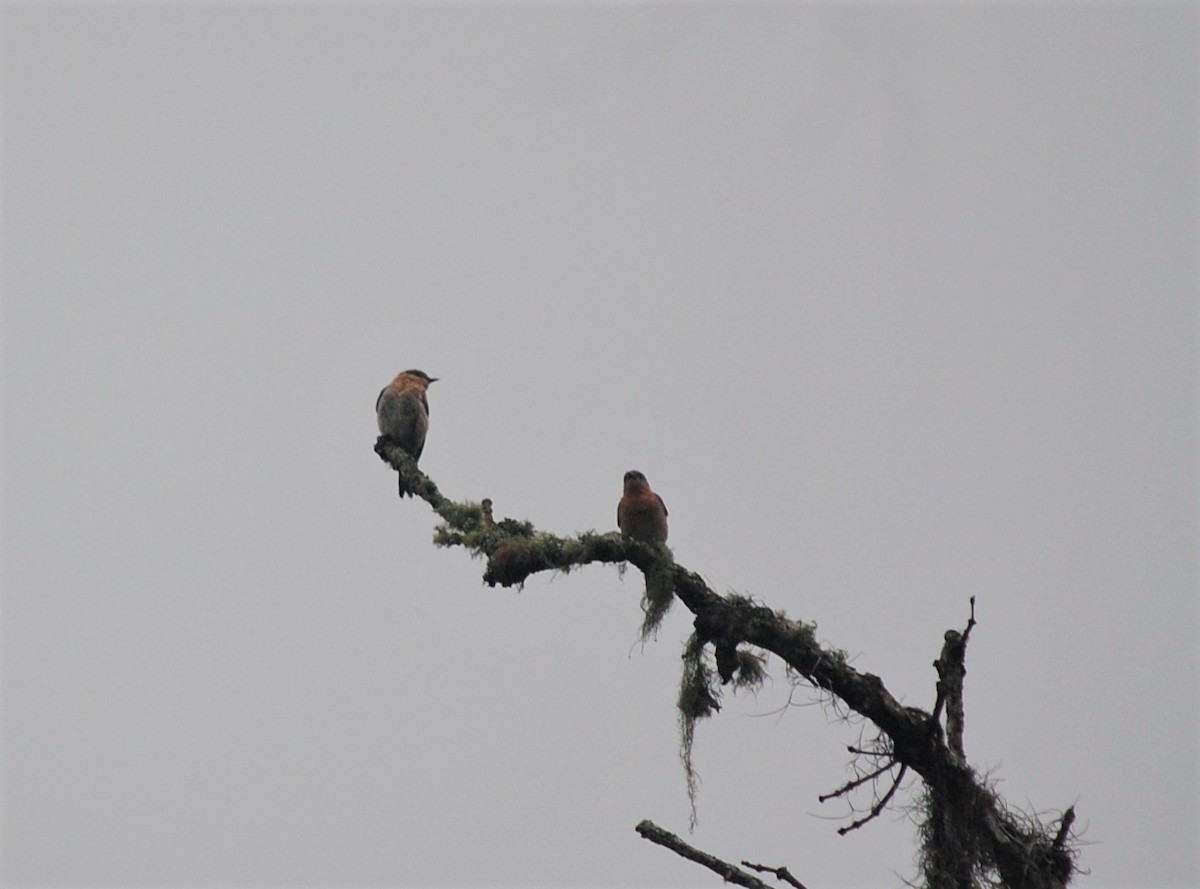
(952, 670)
(726, 871)
(878, 808)
(856, 783)
(779, 873)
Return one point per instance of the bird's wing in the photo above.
(398, 415)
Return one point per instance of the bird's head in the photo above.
(635, 480)
(419, 376)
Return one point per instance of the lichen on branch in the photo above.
(1004, 847)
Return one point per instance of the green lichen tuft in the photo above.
(660, 593)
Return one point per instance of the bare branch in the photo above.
(862, 751)
(857, 782)
(780, 873)
(878, 807)
(959, 643)
(952, 669)
(1064, 827)
(726, 871)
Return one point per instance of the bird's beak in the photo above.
(433, 379)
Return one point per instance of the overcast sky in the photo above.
(893, 304)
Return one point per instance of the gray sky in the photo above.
(894, 305)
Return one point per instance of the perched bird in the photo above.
(641, 514)
(403, 414)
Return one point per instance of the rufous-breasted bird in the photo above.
(403, 413)
(641, 514)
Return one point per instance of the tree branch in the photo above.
(878, 808)
(779, 873)
(951, 667)
(1024, 854)
(730, 874)
(856, 783)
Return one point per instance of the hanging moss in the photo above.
(698, 699)
(751, 671)
(660, 593)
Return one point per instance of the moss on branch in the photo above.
(1020, 850)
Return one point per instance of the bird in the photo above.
(403, 414)
(641, 514)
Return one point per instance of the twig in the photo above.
(726, 871)
(878, 807)
(1064, 828)
(857, 782)
(859, 751)
(780, 873)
